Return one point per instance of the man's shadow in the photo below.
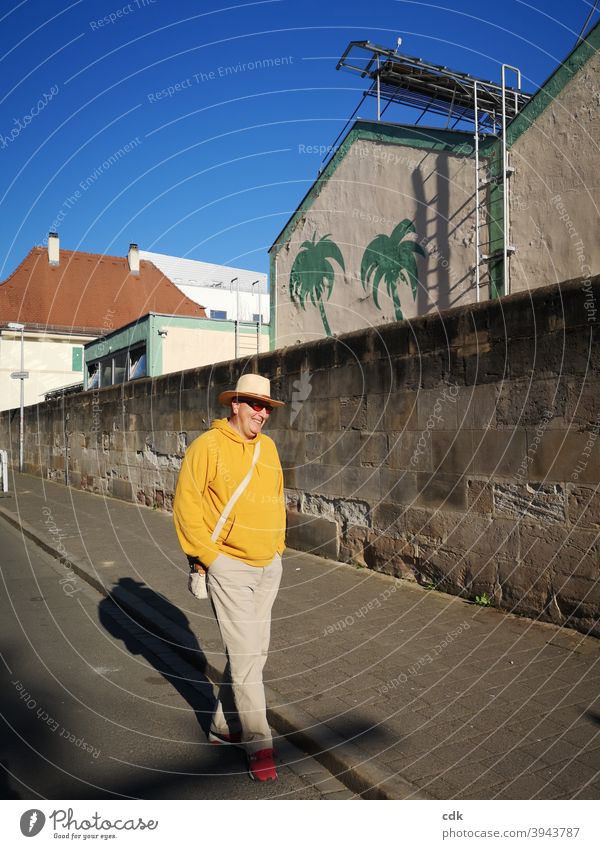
(140, 638)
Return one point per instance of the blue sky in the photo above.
(137, 121)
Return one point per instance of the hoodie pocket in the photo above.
(227, 530)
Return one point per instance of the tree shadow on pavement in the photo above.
(31, 717)
(6, 791)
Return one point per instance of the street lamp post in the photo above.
(237, 315)
(21, 375)
(257, 283)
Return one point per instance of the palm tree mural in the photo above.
(392, 259)
(312, 274)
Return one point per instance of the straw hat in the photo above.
(251, 386)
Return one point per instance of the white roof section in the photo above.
(192, 272)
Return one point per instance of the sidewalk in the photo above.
(399, 691)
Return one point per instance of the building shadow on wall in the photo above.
(139, 638)
(432, 200)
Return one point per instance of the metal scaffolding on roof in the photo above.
(486, 107)
(434, 89)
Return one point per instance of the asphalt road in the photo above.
(92, 711)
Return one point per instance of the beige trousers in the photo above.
(242, 597)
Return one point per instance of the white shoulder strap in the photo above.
(231, 503)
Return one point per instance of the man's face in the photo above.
(246, 420)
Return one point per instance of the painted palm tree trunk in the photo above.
(324, 319)
(312, 275)
(391, 259)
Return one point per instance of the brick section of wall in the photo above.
(458, 450)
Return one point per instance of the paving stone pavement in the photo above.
(399, 690)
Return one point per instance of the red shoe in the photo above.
(225, 739)
(261, 766)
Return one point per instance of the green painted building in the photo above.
(159, 344)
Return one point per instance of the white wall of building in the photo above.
(217, 299)
(217, 287)
(48, 360)
(186, 347)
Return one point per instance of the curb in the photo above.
(342, 758)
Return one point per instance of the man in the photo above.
(230, 519)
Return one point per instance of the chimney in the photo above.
(133, 258)
(53, 248)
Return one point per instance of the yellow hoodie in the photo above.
(213, 467)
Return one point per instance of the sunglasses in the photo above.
(257, 406)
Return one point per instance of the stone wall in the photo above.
(459, 450)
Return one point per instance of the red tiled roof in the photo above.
(88, 291)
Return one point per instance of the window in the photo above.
(77, 359)
(220, 314)
(106, 377)
(137, 363)
(120, 366)
(93, 381)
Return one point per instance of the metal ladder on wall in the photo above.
(483, 255)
